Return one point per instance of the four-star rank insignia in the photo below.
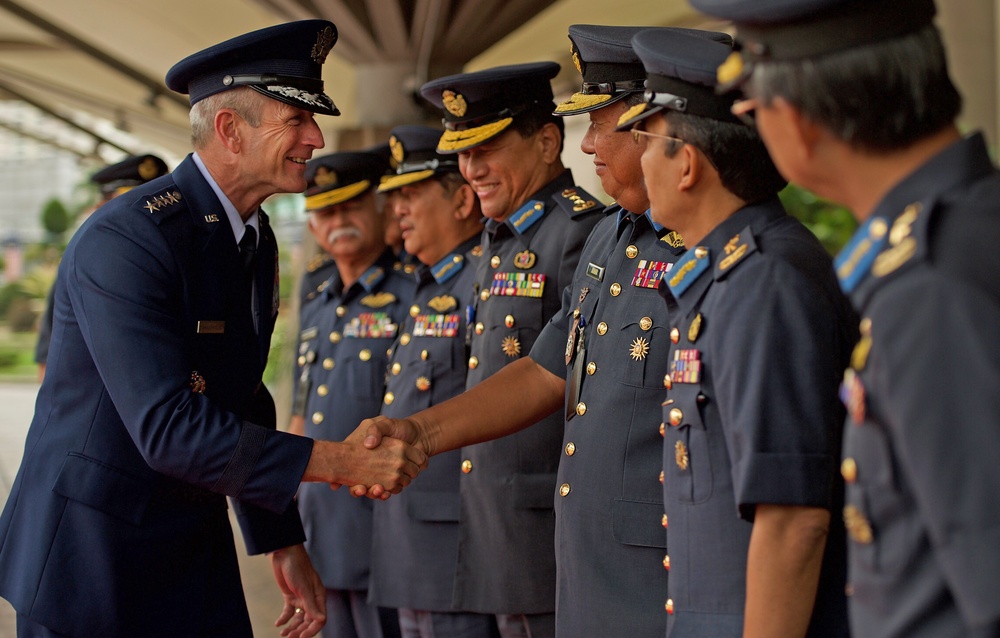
(454, 103)
(511, 346)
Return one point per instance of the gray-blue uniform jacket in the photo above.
(923, 427)
(506, 558)
(759, 332)
(343, 343)
(152, 410)
(415, 537)
(613, 327)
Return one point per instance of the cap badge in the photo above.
(396, 147)
(324, 42)
(325, 177)
(147, 169)
(454, 103)
(731, 69)
(576, 60)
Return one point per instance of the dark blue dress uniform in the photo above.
(608, 536)
(921, 394)
(416, 533)
(506, 562)
(344, 339)
(759, 330)
(152, 409)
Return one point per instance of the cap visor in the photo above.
(336, 196)
(636, 114)
(584, 103)
(458, 141)
(392, 182)
(315, 102)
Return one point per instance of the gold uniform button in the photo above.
(849, 470)
(405, 339)
(328, 364)
(484, 295)
(302, 360)
(667, 381)
(365, 354)
(341, 311)
(631, 252)
(663, 429)
(645, 323)
(396, 368)
(310, 356)
(335, 337)
(466, 466)
(661, 476)
(666, 562)
(317, 417)
(473, 363)
(602, 328)
(675, 335)
(509, 321)
(480, 327)
(495, 261)
(570, 449)
(581, 408)
(591, 368)
(424, 355)
(676, 416)
(701, 252)
(564, 489)
(388, 398)
(616, 289)
(669, 606)
(414, 310)
(322, 390)
(663, 521)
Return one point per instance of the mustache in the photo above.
(340, 233)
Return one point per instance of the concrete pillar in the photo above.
(971, 30)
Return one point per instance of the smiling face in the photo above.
(425, 212)
(276, 151)
(505, 171)
(616, 158)
(352, 230)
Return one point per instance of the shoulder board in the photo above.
(672, 238)
(735, 251)
(688, 269)
(906, 240)
(477, 251)
(576, 201)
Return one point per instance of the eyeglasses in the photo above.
(638, 134)
(744, 111)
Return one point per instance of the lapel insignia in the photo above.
(648, 273)
(583, 294)
(378, 299)
(197, 383)
(856, 258)
(685, 366)
(736, 250)
(673, 239)
(477, 251)
(211, 219)
(443, 303)
(595, 272)
(524, 259)
(688, 269)
(902, 245)
(579, 204)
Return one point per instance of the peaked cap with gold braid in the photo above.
(339, 177)
(479, 106)
(415, 157)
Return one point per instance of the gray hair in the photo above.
(244, 100)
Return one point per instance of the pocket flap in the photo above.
(639, 523)
(103, 487)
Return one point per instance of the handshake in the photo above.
(377, 460)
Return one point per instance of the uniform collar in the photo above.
(233, 215)
(523, 223)
(449, 266)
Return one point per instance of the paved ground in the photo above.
(17, 404)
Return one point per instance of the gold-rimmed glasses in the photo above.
(638, 134)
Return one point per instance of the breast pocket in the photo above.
(643, 341)
(687, 462)
(514, 326)
(365, 362)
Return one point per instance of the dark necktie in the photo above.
(248, 250)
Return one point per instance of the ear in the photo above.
(227, 129)
(464, 199)
(551, 139)
(692, 168)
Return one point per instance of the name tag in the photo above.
(211, 327)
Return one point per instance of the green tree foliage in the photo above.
(55, 218)
(832, 223)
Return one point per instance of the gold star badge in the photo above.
(639, 349)
(511, 346)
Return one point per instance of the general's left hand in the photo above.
(304, 613)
